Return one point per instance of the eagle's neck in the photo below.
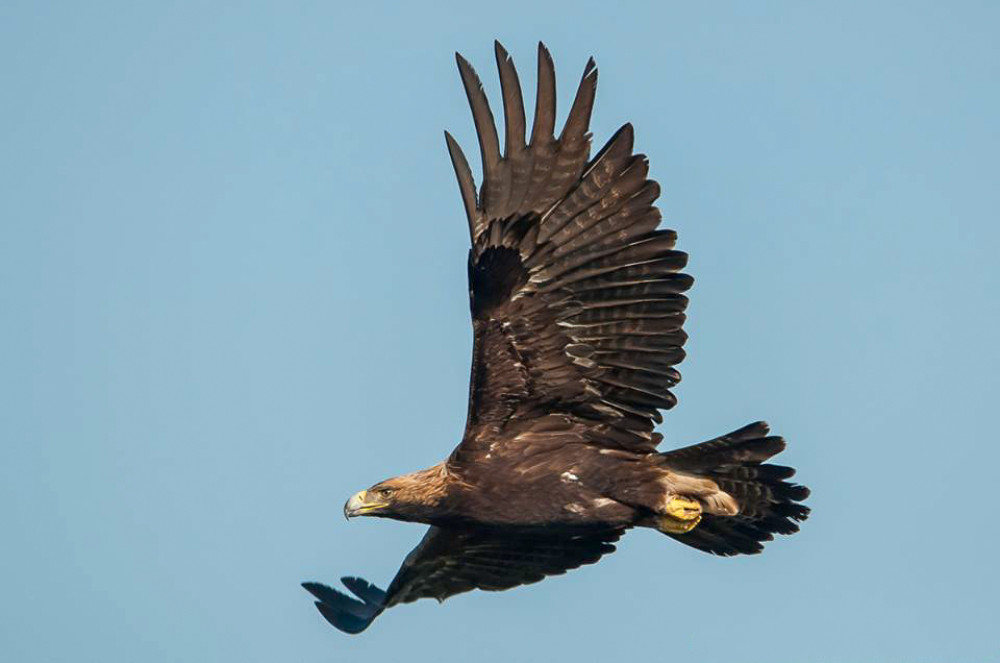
(429, 487)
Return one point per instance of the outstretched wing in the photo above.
(576, 297)
(451, 561)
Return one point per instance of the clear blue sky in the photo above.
(232, 293)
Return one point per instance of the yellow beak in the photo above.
(355, 505)
(359, 505)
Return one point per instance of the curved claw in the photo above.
(681, 516)
(669, 525)
(683, 509)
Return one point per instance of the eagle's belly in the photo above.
(550, 503)
(562, 491)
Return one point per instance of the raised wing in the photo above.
(576, 298)
(451, 561)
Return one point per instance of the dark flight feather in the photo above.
(466, 185)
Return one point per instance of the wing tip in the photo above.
(543, 51)
(318, 589)
(343, 612)
(501, 52)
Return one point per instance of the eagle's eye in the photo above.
(384, 493)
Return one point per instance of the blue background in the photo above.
(232, 289)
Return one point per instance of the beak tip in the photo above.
(353, 504)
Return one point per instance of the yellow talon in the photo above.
(674, 526)
(683, 509)
(682, 515)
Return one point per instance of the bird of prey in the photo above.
(577, 302)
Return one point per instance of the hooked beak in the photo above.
(359, 506)
(355, 504)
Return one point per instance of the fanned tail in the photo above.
(768, 503)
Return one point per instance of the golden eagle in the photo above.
(577, 303)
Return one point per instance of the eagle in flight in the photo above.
(577, 301)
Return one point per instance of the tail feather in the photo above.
(747, 445)
(769, 504)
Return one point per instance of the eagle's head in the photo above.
(412, 496)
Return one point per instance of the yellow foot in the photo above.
(683, 509)
(672, 526)
(682, 515)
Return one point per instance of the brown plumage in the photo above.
(577, 304)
